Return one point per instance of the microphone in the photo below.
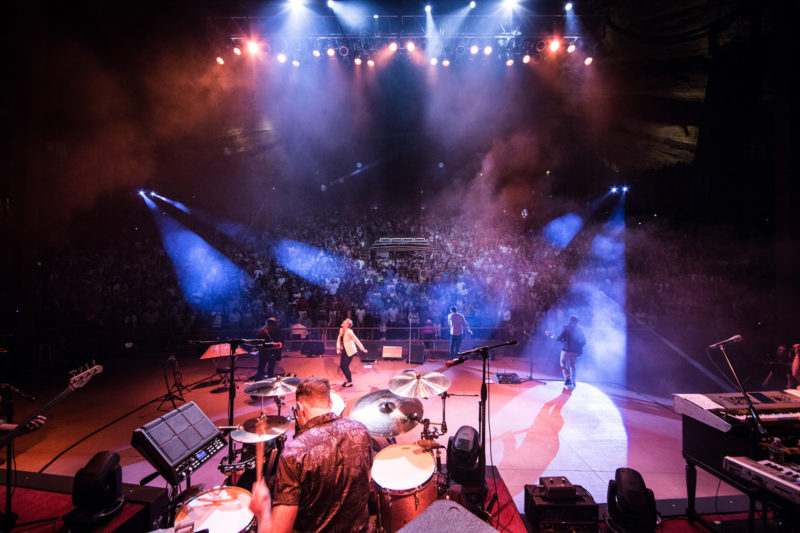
(454, 362)
(735, 338)
(18, 392)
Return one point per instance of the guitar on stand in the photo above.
(79, 378)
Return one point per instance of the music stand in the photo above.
(174, 390)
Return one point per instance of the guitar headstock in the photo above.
(83, 374)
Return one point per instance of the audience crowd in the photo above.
(503, 280)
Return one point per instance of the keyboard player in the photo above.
(780, 370)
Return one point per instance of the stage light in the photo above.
(357, 61)
(487, 50)
(625, 188)
(571, 48)
(526, 58)
(588, 61)
(330, 3)
(410, 46)
(296, 63)
(237, 50)
(375, 16)
(343, 51)
(393, 46)
(540, 46)
(428, 8)
(509, 62)
(446, 63)
(568, 6)
(472, 5)
(434, 61)
(555, 44)
(331, 52)
(220, 60)
(510, 4)
(294, 4)
(253, 47)
(370, 63)
(614, 190)
(473, 49)
(316, 53)
(281, 58)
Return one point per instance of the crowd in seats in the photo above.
(504, 278)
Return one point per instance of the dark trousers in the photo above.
(344, 364)
(267, 358)
(455, 345)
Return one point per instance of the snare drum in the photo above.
(403, 475)
(220, 510)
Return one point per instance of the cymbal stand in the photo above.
(234, 343)
(278, 403)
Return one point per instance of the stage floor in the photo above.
(535, 429)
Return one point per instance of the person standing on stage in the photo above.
(572, 342)
(457, 324)
(268, 357)
(322, 482)
(347, 340)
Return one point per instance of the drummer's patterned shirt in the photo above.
(325, 471)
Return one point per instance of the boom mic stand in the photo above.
(7, 517)
(530, 366)
(484, 351)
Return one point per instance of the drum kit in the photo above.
(406, 478)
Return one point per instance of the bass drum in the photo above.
(403, 477)
(219, 510)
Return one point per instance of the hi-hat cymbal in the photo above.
(272, 387)
(419, 384)
(261, 429)
(385, 414)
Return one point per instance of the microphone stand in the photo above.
(7, 517)
(756, 419)
(484, 351)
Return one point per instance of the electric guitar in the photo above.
(77, 381)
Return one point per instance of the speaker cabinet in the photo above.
(417, 355)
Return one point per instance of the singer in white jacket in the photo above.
(347, 340)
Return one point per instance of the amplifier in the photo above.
(179, 442)
(577, 514)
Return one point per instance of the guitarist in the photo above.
(5, 427)
(573, 340)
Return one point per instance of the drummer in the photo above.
(323, 473)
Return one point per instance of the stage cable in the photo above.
(106, 426)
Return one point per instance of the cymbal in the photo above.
(272, 387)
(385, 414)
(419, 384)
(261, 429)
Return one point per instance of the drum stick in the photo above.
(259, 461)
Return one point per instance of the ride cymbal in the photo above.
(385, 414)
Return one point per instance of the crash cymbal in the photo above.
(419, 384)
(385, 414)
(261, 429)
(272, 387)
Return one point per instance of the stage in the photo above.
(534, 428)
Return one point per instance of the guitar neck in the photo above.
(20, 429)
